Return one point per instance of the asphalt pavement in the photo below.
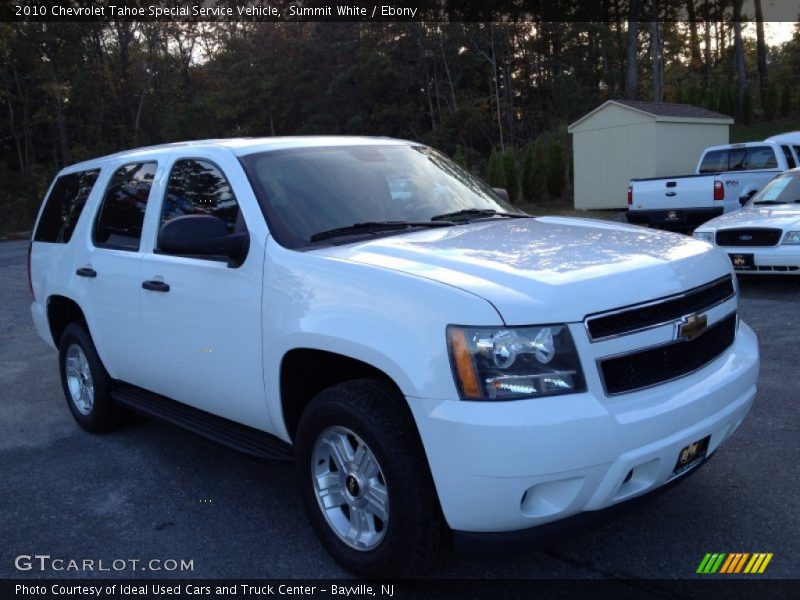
(153, 491)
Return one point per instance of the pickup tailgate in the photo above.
(691, 191)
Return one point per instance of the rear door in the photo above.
(107, 267)
(203, 320)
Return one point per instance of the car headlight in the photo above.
(706, 236)
(791, 237)
(506, 363)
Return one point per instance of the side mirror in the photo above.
(203, 236)
(744, 199)
(502, 193)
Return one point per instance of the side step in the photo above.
(229, 433)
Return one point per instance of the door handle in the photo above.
(86, 272)
(671, 193)
(155, 286)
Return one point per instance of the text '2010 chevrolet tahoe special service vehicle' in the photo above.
(433, 360)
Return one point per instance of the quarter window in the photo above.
(119, 222)
(198, 187)
(64, 206)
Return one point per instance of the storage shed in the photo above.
(625, 139)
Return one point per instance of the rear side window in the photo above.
(787, 152)
(714, 161)
(64, 206)
(198, 187)
(119, 221)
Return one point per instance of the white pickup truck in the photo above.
(434, 361)
(726, 178)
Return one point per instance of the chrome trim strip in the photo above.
(598, 361)
(663, 300)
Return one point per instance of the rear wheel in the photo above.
(87, 385)
(365, 480)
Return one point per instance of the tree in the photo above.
(727, 101)
(534, 171)
(761, 51)
(786, 100)
(747, 108)
(495, 174)
(511, 174)
(458, 157)
(738, 52)
(555, 168)
(632, 51)
(655, 53)
(771, 102)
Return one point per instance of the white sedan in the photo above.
(764, 236)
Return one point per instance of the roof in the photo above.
(243, 146)
(664, 111)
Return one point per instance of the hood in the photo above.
(547, 269)
(784, 216)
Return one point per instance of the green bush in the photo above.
(459, 159)
(727, 101)
(512, 174)
(495, 174)
(534, 171)
(555, 168)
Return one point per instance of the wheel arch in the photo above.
(61, 311)
(304, 372)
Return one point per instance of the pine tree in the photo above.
(494, 173)
(727, 103)
(786, 100)
(528, 184)
(555, 168)
(458, 157)
(512, 174)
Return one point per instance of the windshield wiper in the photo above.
(770, 202)
(478, 212)
(374, 226)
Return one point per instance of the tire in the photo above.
(87, 385)
(403, 537)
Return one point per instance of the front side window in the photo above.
(119, 222)
(307, 192)
(198, 187)
(64, 206)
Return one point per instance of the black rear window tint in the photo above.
(64, 206)
(119, 221)
(714, 161)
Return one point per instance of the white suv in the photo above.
(434, 361)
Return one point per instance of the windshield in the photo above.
(313, 190)
(783, 189)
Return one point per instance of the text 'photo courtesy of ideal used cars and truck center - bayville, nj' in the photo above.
(446, 295)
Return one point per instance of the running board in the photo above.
(229, 433)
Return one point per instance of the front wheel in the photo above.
(365, 480)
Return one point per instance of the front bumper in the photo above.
(774, 260)
(679, 218)
(507, 466)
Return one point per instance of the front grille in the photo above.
(748, 237)
(663, 363)
(661, 311)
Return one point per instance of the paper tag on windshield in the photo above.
(776, 188)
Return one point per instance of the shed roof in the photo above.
(663, 111)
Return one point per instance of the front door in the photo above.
(201, 317)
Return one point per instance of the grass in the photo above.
(762, 130)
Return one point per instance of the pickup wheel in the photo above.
(86, 383)
(365, 481)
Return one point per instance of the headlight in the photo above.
(504, 363)
(706, 236)
(791, 237)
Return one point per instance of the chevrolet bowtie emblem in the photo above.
(692, 326)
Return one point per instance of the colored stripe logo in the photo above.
(734, 562)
